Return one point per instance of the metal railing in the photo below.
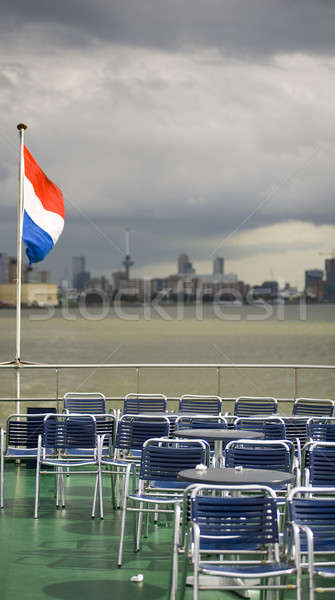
(141, 367)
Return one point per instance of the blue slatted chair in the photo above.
(275, 455)
(64, 435)
(132, 432)
(308, 407)
(158, 488)
(312, 541)
(200, 422)
(200, 405)
(319, 463)
(20, 441)
(92, 403)
(248, 406)
(272, 427)
(321, 429)
(239, 537)
(135, 404)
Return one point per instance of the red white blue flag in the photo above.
(43, 219)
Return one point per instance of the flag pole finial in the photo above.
(22, 126)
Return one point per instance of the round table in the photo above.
(222, 476)
(221, 437)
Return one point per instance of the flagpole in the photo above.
(21, 127)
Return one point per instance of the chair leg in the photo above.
(184, 572)
(113, 483)
(37, 489)
(57, 488)
(61, 485)
(139, 529)
(94, 498)
(124, 513)
(173, 583)
(118, 504)
(99, 476)
(2, 483)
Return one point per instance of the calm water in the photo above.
(183, 336)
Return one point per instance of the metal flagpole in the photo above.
(21, 127)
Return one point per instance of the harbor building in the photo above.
(33, 294)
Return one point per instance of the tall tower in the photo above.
(78, 266)
(218, 266)
(127, 261)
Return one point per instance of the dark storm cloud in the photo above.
(241, 27)
(189, 121)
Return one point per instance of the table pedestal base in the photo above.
(215, 583)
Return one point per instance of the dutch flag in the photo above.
(43, 218)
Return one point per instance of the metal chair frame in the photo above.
(321, 429)
(239, 526)
(144, 403)
(19, 441)
(255, 405)
(318, 462)
(200, 404)
(128, 448)
(162, 459)
(272, 427)
(312, 523)
(64, 434)
(92, 403)
(262, 460)
(308, 406)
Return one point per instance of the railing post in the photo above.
(295, 384)
(218, 381)
(137, 380)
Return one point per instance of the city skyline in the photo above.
(204, 130)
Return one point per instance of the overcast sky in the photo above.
(205, 126)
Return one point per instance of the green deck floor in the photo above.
(66, 555)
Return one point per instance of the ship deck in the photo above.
(66, 555)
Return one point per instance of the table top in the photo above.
(220, 434)
(223, 476)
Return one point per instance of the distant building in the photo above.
(185, 266)
(330, 279)
(83, 278)
(271, 286)
(314, 284)
(78, 267)
(218, 266)
(4, 268)
(33, 294)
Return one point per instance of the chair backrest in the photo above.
(200, 422)
(247, 406)
(162, 459)
(22, 430)
(321, 429)
(260, 454)
(200, 405)
(90, 403)
(309, 506)
(67, 432)
(249, 522)
(320, 470)
(296, 430)
(134, 430)
(272, 427)
(135, 404)
(313, 406)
